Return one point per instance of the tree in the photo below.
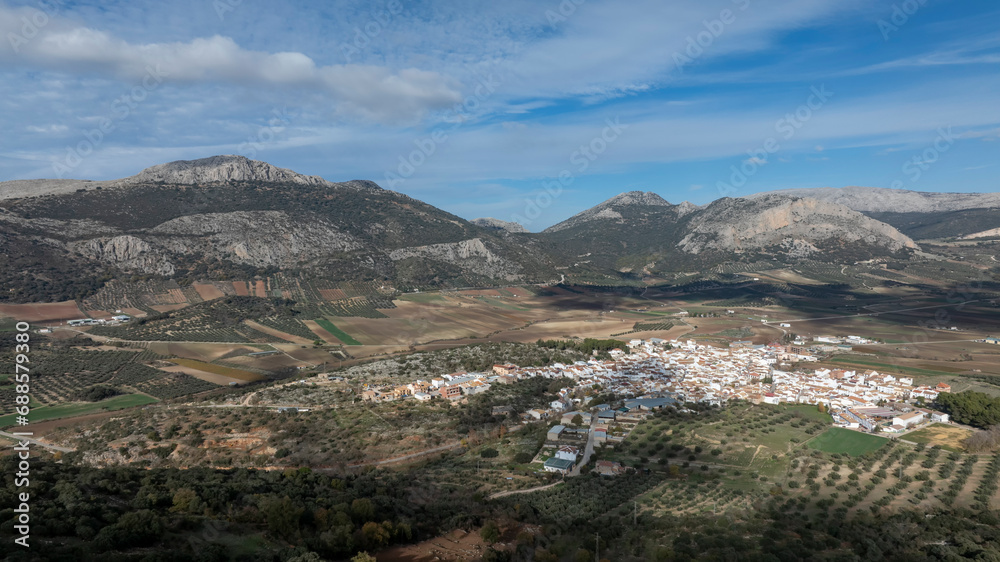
(577, 420)
(490, 532)
(363, 557)
(362, 509)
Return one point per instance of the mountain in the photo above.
(607, 210)
(499, 225)
(918, 214)
(638, 231)
(228, 216)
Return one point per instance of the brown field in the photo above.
(323, 334)
(941, 434)
(203, 375)
(277, 333)
(95, 313)
(332, 294)
(241, 288)
(134, 312)
(199, 351)
(519, 292)
(268, 363)
(452, 547)
(261, 289)
(177, 296)
(42, 312)
(208, 292)
(229, 372)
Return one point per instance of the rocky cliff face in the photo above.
(226, 168)
(749, 224)
(499, 225)
(126, 252)
(472, 255)
(884, 200)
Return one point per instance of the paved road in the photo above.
(588, 451)
(37, 442)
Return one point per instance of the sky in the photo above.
(524, 110)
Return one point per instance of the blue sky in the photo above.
(528, 110)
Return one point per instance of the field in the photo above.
(42, 312)
(949, 437)
(80, 409)
(218, 369)
(336, 332)
(846, 441)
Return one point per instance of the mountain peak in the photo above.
(606, 209)
(499, 225)
(636, 198)
(223, 168)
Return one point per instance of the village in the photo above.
(655, 373)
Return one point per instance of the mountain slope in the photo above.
(641, 231)
(920, 215)
(228, 216)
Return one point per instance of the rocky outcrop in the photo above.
(798, 224)
(472, 255)
(258, 238)
(499, 225)
(226, 168)
(885, 200)
(126, 252)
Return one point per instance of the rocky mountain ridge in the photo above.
(886, 200)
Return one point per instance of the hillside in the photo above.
(226, 216)
(918, 214)
(637, 231)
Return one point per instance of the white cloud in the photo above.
(375, 92)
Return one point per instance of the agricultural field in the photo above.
(228, 372)
(81, 409)
(948, 437)
(846, 442)
(336, 332)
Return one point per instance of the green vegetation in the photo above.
(424, 298)
(337, 332)
(69, 410)
(972, 408)
(846, 441)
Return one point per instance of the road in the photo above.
(588, 451)
(37, 442)
(525, 491)
(407, 457)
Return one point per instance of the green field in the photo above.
(423, 298)
(337, 332)
(840, 440)
(79, 409)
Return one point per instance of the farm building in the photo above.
(555, 432)
(906, 420)
(561, 466)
